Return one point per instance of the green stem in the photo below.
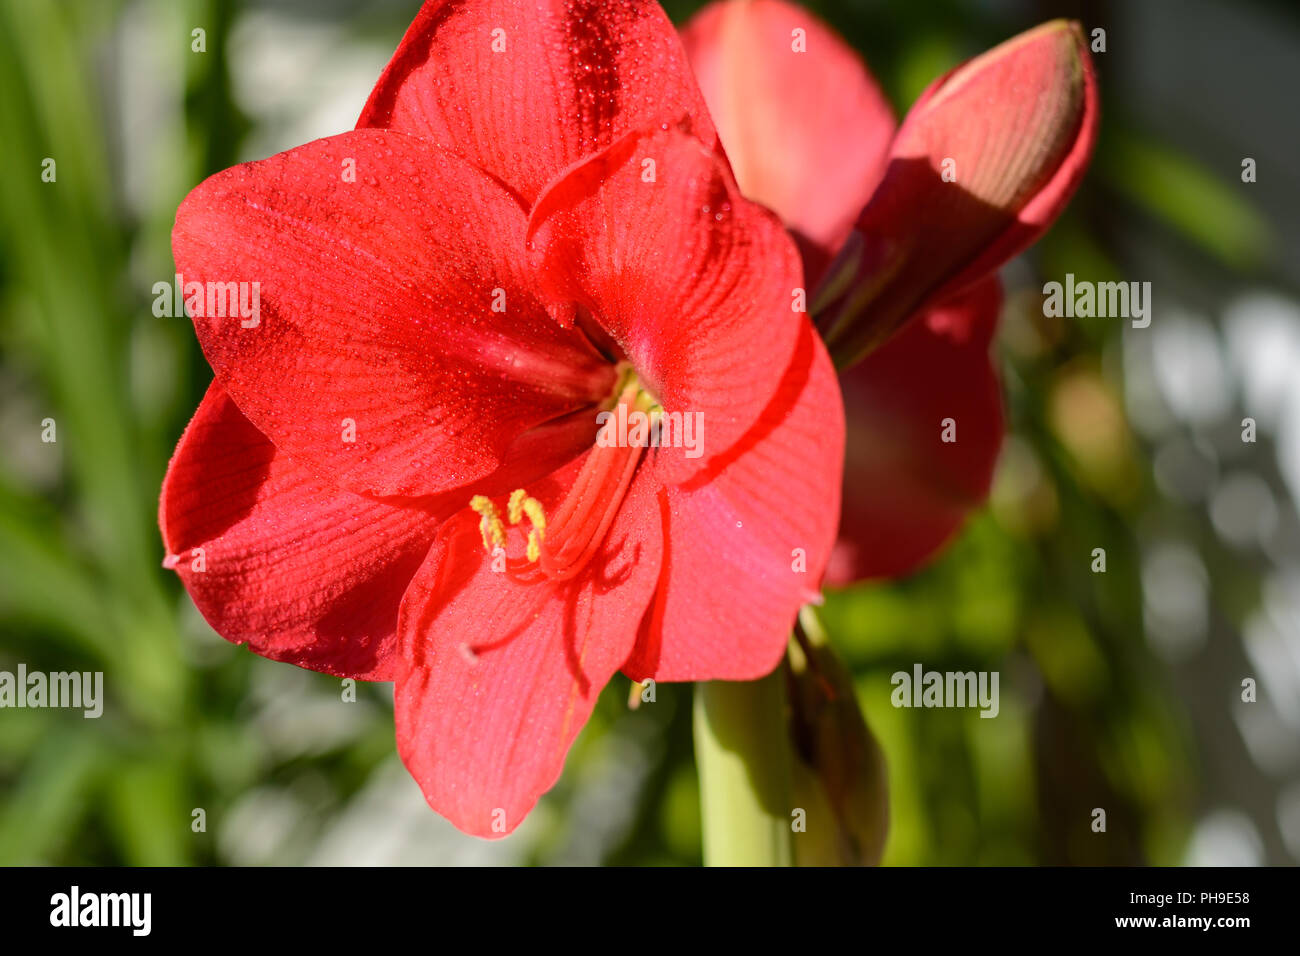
(743, 752)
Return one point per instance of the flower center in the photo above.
(561, 545)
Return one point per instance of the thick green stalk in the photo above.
(742, 750)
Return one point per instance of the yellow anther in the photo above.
(536, 515)
(490, 527)
(521, 506)
(518, 507)
(515, 507)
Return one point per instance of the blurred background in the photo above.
(1121, 690)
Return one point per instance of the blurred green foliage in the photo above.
(190, 722)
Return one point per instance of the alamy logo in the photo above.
(75, 908)
(951, 689)
(1113, 300)
(213, 300)
(73, 689)
(657, 429)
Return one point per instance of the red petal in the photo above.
(731, 587)
(376, 307)
(498, 677)
(807, 132)
(572, 77)
(906, 492)
(1019, 124)
(298, 570)
(695, 283)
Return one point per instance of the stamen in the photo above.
(536, 515)
(515, 505)
(490, 527)
(518, 507)
(579, 526)
(561, 548)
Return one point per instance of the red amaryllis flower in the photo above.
(404, 469)
(920, 217)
